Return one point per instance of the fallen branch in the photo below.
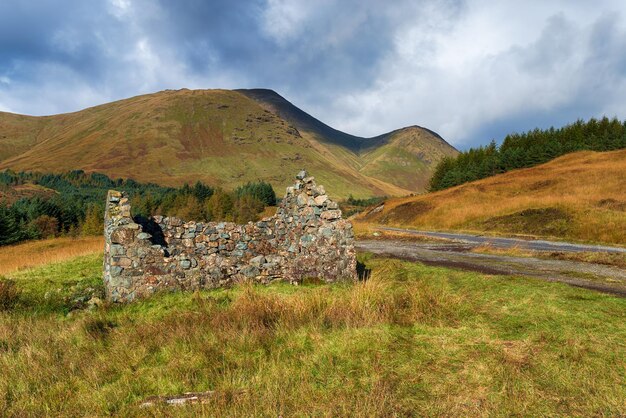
(185, 398)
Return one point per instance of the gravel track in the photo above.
(599, 277)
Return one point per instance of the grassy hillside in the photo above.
(412, 340)
(529, 149)
(578, 196)
(405, 157)
(46, 251)
(220, 137)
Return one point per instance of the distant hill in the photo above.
(577, 196)
(222, 137)
(405, 157)
(528, 149)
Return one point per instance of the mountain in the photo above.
(577, 196)
(405, 157)
(222, 137)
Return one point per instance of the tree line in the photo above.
(520, 150)
(77, 205)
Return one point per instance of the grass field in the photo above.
(412, 340)
(37, 253)
(580, 196)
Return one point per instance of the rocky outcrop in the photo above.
(307, 238)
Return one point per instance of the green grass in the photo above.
(413, 340)
(55, 287)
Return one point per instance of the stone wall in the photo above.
(307, 238)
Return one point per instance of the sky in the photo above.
(471, 70)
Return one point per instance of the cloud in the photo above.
(471, 70)
(482, 73)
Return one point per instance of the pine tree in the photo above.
(190, 209)
(45, 226)
(9, 228)
(94, 221)
(247, 208)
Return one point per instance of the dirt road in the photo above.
(498, 242)
(588, 275)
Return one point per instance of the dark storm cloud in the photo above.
(202, 31)
(72, 35)
(472, 70)
(332, 50)
(234, 37)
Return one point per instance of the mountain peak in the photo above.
(221, 137)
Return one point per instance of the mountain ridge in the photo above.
(222, 137)
(304, 120)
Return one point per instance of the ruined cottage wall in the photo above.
(310, 227)
(306, 238)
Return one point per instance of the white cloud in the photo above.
(283, 19)
(119, 8)
(495, 62)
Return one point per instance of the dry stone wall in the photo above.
(307, 238)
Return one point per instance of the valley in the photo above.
(494, 309)
(312, 209)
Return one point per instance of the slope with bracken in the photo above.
(577, 196)
(221, 137)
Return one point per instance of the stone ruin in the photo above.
(307, 238)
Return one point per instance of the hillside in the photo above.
(577, 196)
(223, 138)
(405, 157)
(529, 149)
(9, 194)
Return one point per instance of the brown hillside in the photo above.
(10, 194)
(221, 137)
(578, 196)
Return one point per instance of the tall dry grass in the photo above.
(37, 253)
(383, 299)
(242, 343)
(587, 186)
(411, 341)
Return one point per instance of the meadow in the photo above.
(411, 340)
(41, 252)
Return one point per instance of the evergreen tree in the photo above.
(9, 228)
(94, 221)
(261, 190)
(189, 207)
(246, 208)
(529, 149)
